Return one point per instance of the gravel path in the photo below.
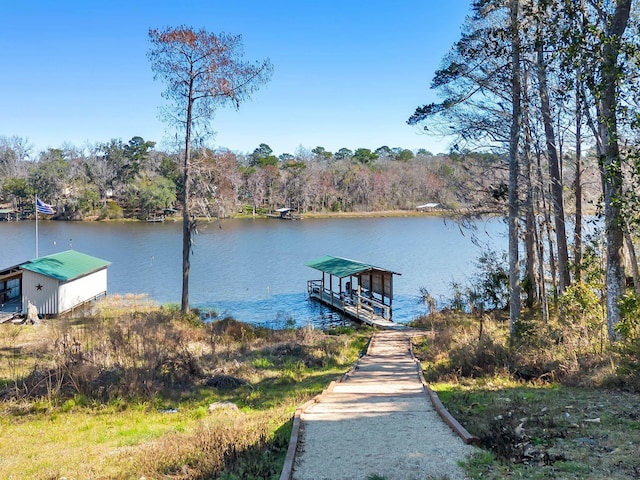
(378, 421)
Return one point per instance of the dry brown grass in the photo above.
(126, 393)
(230, 440)
(465, 346)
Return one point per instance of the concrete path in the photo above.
(377, 421)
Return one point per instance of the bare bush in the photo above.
(543, 352)
(133, 355)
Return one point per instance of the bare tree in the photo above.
(554, 159)
(516, 120)
(203, 71)
(13, 151)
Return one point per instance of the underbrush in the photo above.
(132, 392)
(555, 402)
(465, 346)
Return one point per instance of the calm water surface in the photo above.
(254, 269)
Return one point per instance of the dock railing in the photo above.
(371, 304)
(314, 287)
(359, 305)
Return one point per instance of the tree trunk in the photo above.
(514, 261)
(552, 256)
(186, 213)
(610, 162)
(554, 171)
(529, 283)
(545, 228)
(577, 186)
(542, 288)
(633, 260)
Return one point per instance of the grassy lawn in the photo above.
(199, 402)
(553, 404)
(112, 444)
(81, 442)
(128, 394)
(547, 431)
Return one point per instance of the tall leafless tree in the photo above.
(553, 158)
(203, 71)
(514, 143)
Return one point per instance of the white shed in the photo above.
(58, 283)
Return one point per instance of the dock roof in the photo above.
(342, 267)
(65, 266)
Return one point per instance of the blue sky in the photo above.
(346, 73)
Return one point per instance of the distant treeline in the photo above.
(133, 179)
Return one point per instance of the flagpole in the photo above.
(36, 208)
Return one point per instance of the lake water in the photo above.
(253, 269)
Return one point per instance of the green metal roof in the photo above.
(341, 267)
(65, 266)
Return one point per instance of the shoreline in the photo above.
(378, 214)
(446, 213)
(308, 215)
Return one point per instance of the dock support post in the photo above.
(331, 288)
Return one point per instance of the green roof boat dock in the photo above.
(359, 290)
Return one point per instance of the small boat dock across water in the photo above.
(359, 290)
(285, 214)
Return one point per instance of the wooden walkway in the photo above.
(378, 420)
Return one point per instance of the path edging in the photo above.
(442, 410)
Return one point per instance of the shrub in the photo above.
(112, 211)
(582, 318)
(629, 345)
(629, 326)
(134, 355)
(484, 358)
(490, 283)
(487, 288)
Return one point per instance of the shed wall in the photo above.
(81, 290)
(379, 283)
(44, 298)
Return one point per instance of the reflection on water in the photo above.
(297, 309)
(254, 269)
(280, 311)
